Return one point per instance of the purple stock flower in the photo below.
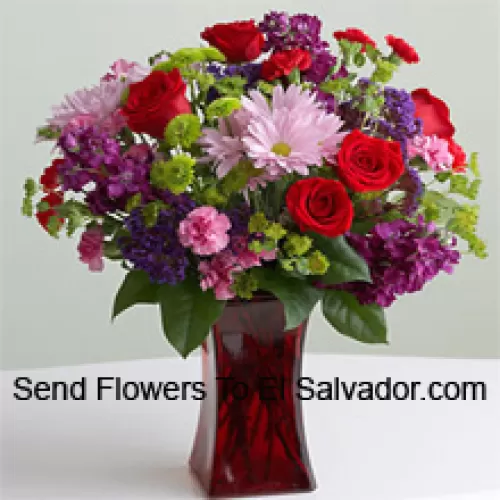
(91, 156)
(402, 256)
(157, 249)
(302, 31)
(87, 153)
(398, 117)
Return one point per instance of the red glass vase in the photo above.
(250, 438)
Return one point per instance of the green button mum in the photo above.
(175, 174)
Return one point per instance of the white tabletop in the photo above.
(360, 450)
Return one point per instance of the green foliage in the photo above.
(244, 285)
(222, 107)
(265, 87)
(203, 80)
(297, 245)
(133, 202)
(294, 76)
(258, 223)
(345, 263)
(112, 251)
(464, 224)
(317, 263)
(359, 60)
(349, 50)
(459, 184)
(473, 164)
(187, 56)
(75, 213)
(384, 71)
(438, 207)
(237, 178)
(212, 54)
(30, 189)
(460, 219)
(135, 289)
(275, 231)
(48, 133)
(27, 207)
(443, 176)
(335, 86)
(365, 323)
(54, 226)
(372, 53)
(175, 174)
(297, 296)
(187, 314)
(151, 211)
(183, 131)
(231, 86)
(212, 196)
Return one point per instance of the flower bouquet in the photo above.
(241, 183)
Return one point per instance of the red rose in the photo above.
(320, 205)
(282, 63)
(240, 41)
(434, 114)
(53, 199)
(368, 163)
(154, 101)
(355, 35)
(50, 178)
(459, 157)
(402, 49)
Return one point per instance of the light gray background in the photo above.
(54, 312)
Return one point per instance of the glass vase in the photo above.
(250, 438)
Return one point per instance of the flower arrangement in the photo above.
(263, 161)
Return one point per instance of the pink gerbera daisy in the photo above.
(283, 138)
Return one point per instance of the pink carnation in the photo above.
(218, 274)
(433, 150)
(91, 248)
(204, 230)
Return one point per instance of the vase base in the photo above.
(232, 490)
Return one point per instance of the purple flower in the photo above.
(128, 178)
(302, 31)
(402, 256)
(398, 117)
(157, 249)
(91, 156)
(88, 152)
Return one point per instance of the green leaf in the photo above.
(359, 60)
(371, 52)
(364, 323)
(438, 207)
(294, 76)
(183, 130)
(473, 164)
(459, 184)
(222, 107)
(135, 289)
(42, 206)
(345, 263)
(443, 176)
(231, 86)
(297, 296)
(112, 251)
(363, 226)
(187, 314)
